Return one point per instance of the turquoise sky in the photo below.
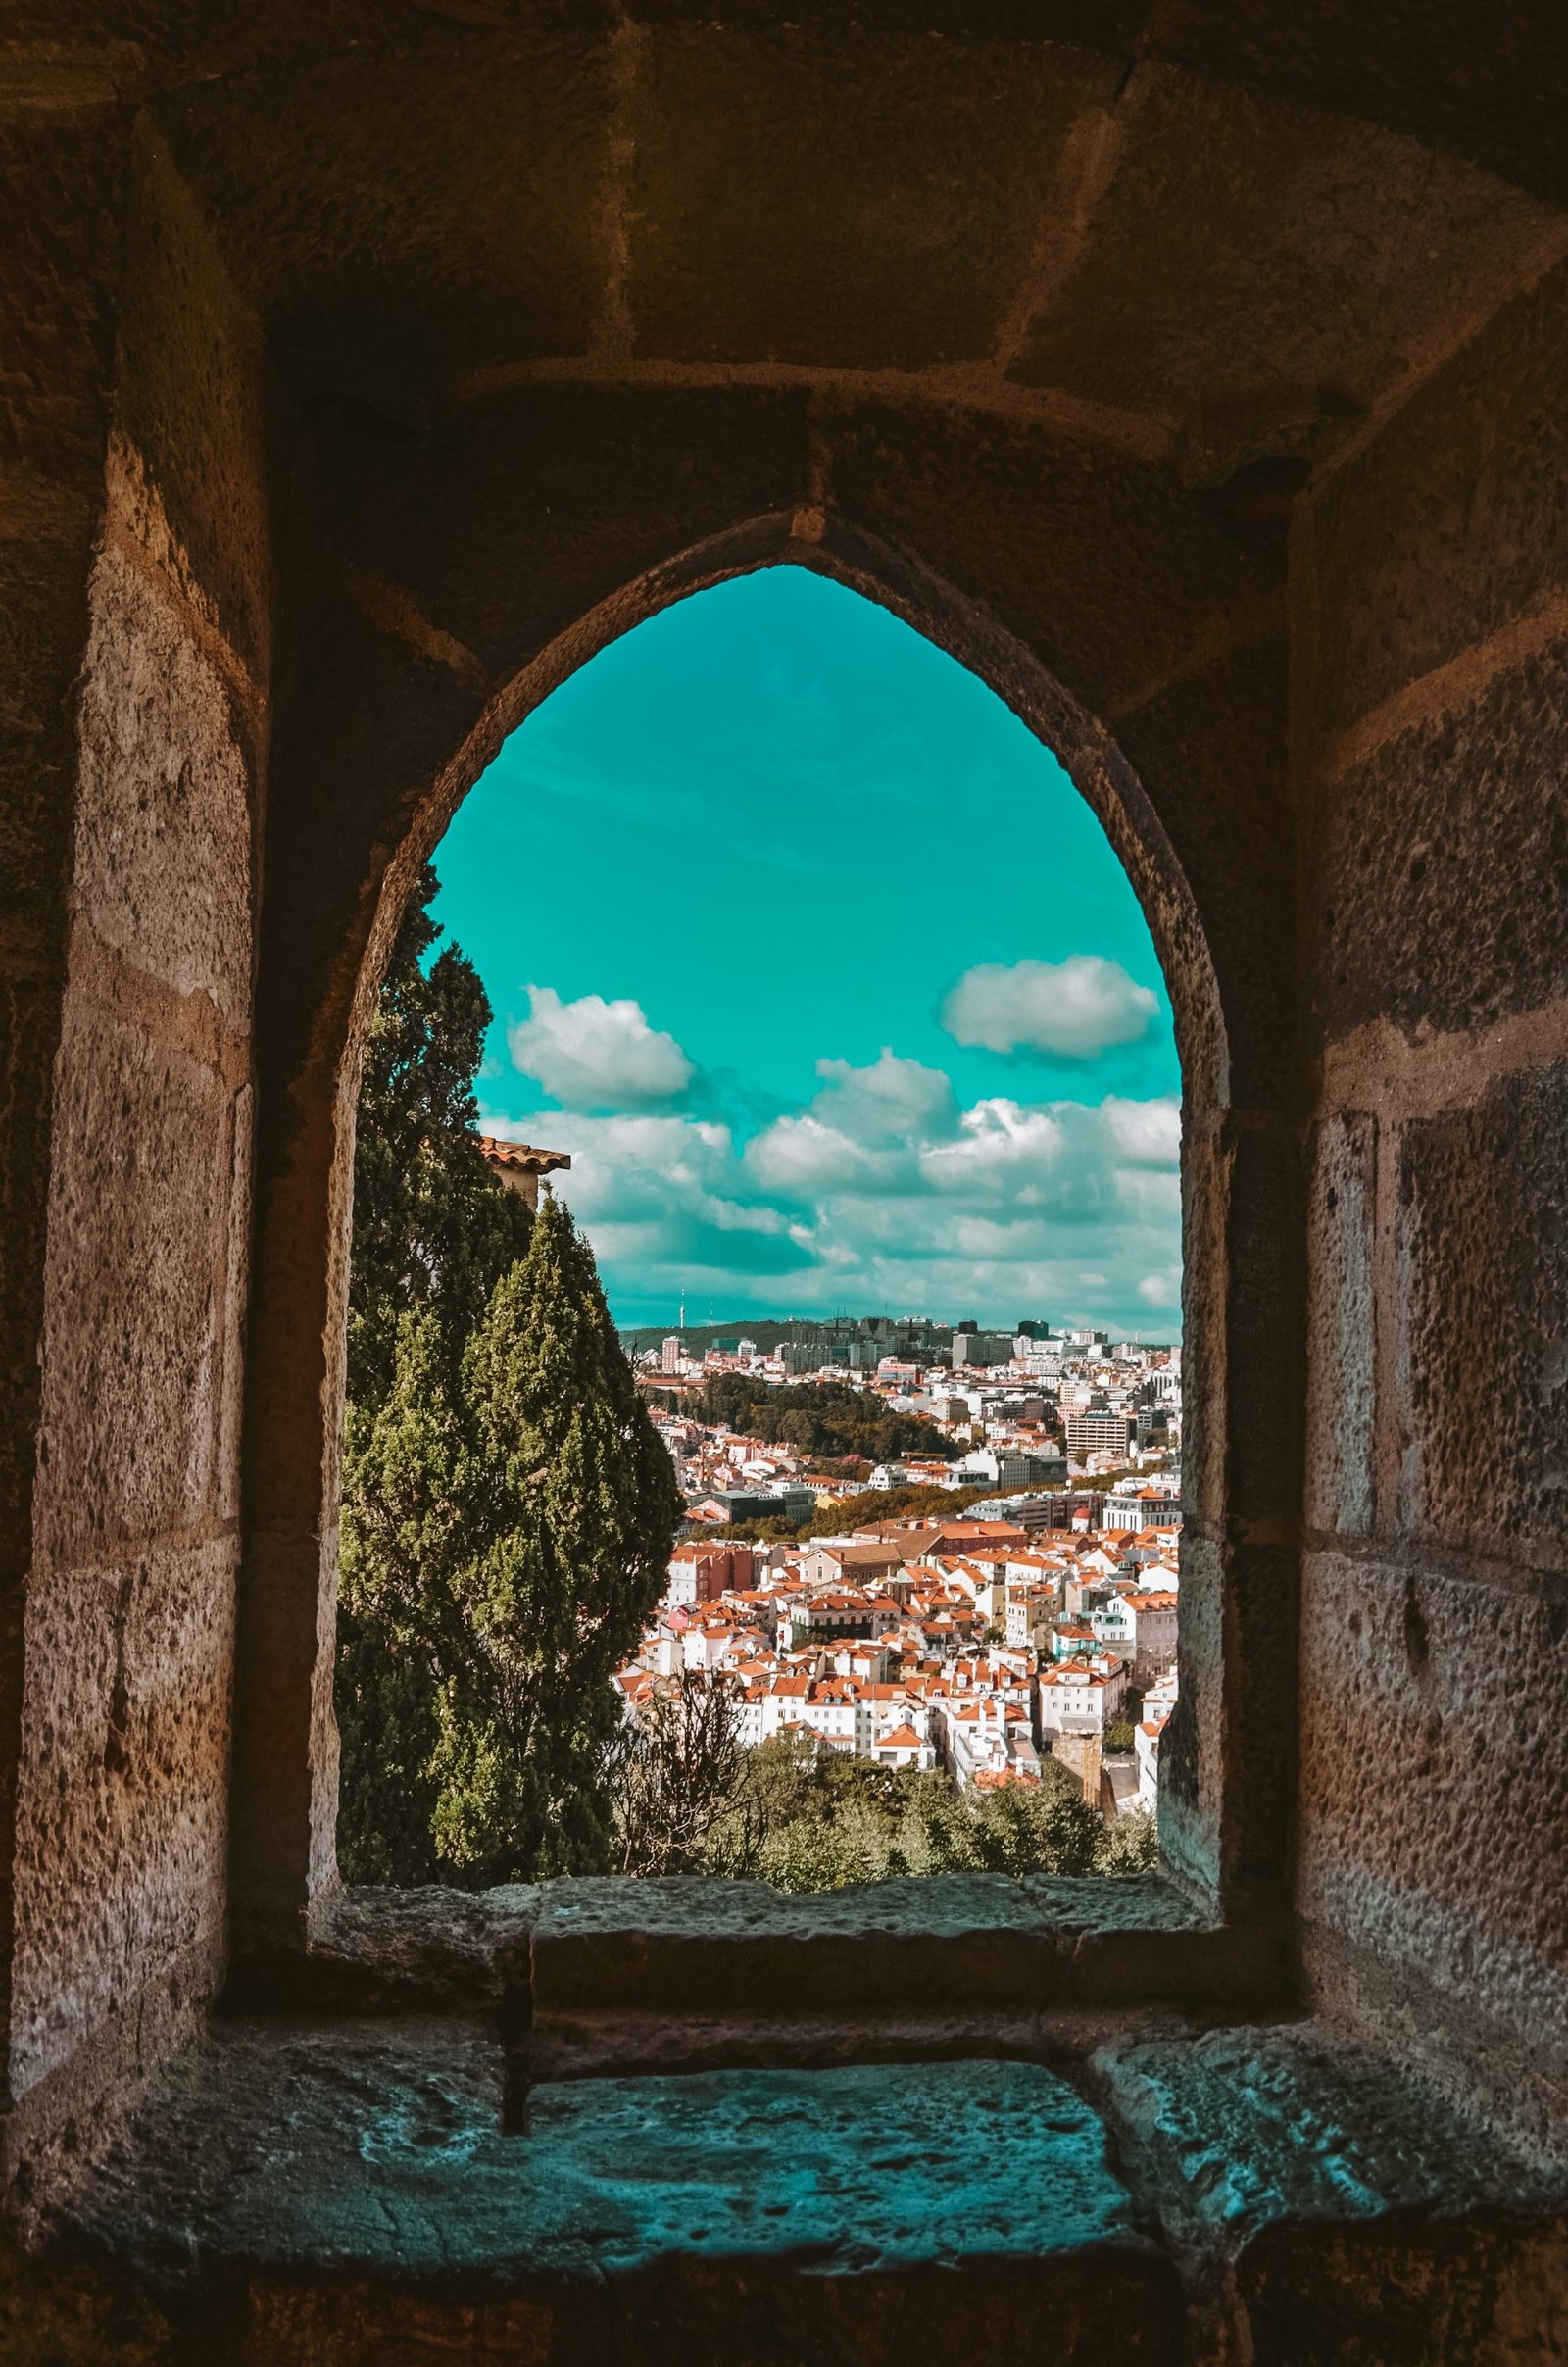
(749, 895)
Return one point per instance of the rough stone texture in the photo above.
(116, 1786)
(687, 1973)
(1460, 1869)
(420, 1951)
(1453, 522)
(165, 875)
(1208, 748)
(389, 247)
(1333, 2207)
(43, 624)
(965, 1938)
(874, 203)
(1482, 1345)
(1219, 428)
(136, 1292)
(1341, 1305)
(362, 2178)
(1421, 925)
(1232, 278)
(122, 1832)
(1118, 566)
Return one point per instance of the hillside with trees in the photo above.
(828, 1419)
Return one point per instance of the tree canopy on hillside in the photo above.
(826, 1419)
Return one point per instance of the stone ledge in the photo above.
(1335, 2206)
(304, 2193)
(956, 1943)
(374, 1951)
(342, 2193)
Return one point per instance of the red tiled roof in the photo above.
(526, 1158)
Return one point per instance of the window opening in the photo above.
(762, 1450)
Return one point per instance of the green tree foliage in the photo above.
(806, 1823)
(507, 1507)
(1128, 1845)
(860, 1510)
(572, 1511)
(433, 1225)
(821, 1418)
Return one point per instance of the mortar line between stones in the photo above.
(1377, 1068)
(220, 651)
(1217, 638)
(179, 1019)
(1090, 156)
(1455, 1564)
(1457, 683)
(613, 336)
(1441, 349)
(966, 385)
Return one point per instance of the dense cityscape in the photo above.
(1001, 1591)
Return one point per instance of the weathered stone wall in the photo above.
(60, 170)
(122, 1776)
(1184, 374)
(1432, 738)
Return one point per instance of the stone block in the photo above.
(1436, 855)
(163, 869)
(1341, 1324)
(958, 1939)
(748, 2219)
(1193, 1773)
(1456, 87)
(1209, 753)
(60, 200)
(123, 1795)
(1205, 1196)
(424, 1950)
(874, 204)
(43, 631)
(138, 1333)
(29, 1030)
(400, 209)
(1453, 522)
(1264, 1290)
(1481, 1355)
(1340, 2208)
(1241, 277)
(516, 517)
(1111, 27)
(1435, 1784)
(193, 463)
(1098, 560)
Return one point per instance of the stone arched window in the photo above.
(409, 715)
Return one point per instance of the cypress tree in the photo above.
(433, 1225)
(397, 1634)
(507, 1507)
(571, 1512)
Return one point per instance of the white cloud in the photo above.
(888, 1102)
(1059, 1208)
(801, 1159)
(1076, 1008)
(594, 1054)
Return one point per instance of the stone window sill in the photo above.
(346, 2192)
(610, 1976)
